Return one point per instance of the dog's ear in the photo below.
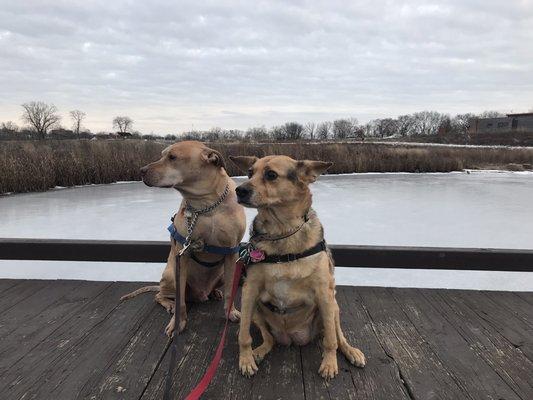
(310, 170)
(243, 162)
(213, 157)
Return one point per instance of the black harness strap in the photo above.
(285, 258)
(206, 264)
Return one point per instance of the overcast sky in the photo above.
(172, 65)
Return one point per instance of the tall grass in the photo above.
(27, 166)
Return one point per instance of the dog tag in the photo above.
(187, 213)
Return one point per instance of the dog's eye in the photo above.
(171, 157)
(250, 173)
(270, 175)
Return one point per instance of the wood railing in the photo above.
(344, 255)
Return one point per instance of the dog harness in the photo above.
(174, 234)
(191, 217)
(251, 255)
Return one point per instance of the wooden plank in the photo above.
(378, 380)
(514, 303)
(229, 383)
(17, 293)
(471, 371)
(27, 333)
(423, 372)
(507, 361)
(129, 372)
(5, 284)
(196, 345)
(70, 374)
(30, 371)
(527, 296)
(28, 311)
(284, 367)
(514, 329)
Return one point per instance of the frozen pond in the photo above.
(480, 209)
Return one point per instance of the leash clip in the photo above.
(185, 248)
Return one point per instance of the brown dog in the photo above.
(198, 173)
(290, 295)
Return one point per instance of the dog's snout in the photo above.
(144, 170)
(243, 192)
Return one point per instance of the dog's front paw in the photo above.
(328, 369)
(169, 330)
(355, 356)
(234, 315)
(247, 365)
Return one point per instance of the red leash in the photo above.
(212, 369)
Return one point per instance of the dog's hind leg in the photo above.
(137, 292)
(268, 340)
(353, 354)
(167, 303)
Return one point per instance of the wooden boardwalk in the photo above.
(74, 340)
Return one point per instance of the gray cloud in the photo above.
(172, 65)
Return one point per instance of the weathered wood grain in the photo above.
(453, 350)
(196, 346)
(486, 342)
(75, 340)
(15, 294)
(424, 373)
(25, 331)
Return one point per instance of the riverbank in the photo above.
(29, 166)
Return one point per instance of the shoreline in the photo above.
(323, 177)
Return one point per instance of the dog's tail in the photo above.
(137, 292)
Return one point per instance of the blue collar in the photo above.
(174, 234)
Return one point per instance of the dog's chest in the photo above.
(285, 292)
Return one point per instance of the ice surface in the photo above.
(479, 209)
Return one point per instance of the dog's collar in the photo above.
(250, 255)
(191, 215)
(191, 210)
(260, 237)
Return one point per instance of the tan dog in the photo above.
(198, 173)
(289, 301)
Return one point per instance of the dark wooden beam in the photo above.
(345, 255)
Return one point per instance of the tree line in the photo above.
(43, 120)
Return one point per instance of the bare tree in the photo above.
(426, 122)
(343, 128)
(123, 124)
(386, 127)
(257, 133)
(491, 114)
(323, 130)
(309, 130)
(40, 116)
(461, 122)
(77, 117)
(277, 133)
(293, 130)
(9, 126)
(405, 125)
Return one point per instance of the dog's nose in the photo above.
(143, 170)
(242, 192)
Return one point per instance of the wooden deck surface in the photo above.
(74, 340)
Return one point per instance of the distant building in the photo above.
(522, 122)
